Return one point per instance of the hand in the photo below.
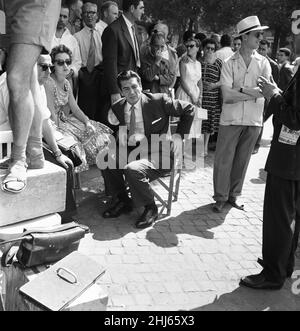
(268, 88)
(65, 161)
(158, 57)
(70, 74)
(123, 136)
(177, 146)
(90, 128)
(209, 86)
(115, 98)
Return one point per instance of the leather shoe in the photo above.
(117, 208)
(260, 282)
(255, 151)
(148, 218)
(218, 206)
(232, 202)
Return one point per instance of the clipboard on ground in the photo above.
(64, 282)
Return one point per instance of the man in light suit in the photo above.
(146, 117)
(120, 50)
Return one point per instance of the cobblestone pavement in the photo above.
(192, 260)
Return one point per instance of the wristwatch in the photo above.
(57, 153)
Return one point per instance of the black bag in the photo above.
(45, 246)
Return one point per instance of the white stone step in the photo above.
(44, 195)
(12, 231)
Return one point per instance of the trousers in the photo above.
(281, 225)
(234, 149)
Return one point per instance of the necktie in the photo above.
(136, 48)
(132, 125)
(92, 54)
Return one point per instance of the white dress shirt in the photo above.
(139, 120)
(70, 41)
(101, 26)
(84, 40)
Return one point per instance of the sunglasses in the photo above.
(46, 67)
(61, 63)
(210, 48)
(190, 46)
(258, 34)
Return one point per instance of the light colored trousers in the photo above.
(234, 149)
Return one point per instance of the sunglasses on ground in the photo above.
(45, 67)
(63, 62)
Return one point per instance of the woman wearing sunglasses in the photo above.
(190, 88)
(92, 137)
(211, 74)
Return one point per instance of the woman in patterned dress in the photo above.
(211, 74)
(92, 137)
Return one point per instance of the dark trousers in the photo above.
(281, 225)
(70, 209)
(89, 92)
(137, 176)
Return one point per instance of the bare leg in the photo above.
(206, 140)
(21, 61)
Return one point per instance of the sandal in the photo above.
(17, 177)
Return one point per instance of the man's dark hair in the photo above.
(128, 3)
(225, 40)
(286, 51)
(265, 42)
(68, 3)
(200, 36)
(106, 5)
(127, 75)
(188, 35)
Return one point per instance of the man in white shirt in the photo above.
(109, 13)
(64, 37)
(91, 73)
(242, 114)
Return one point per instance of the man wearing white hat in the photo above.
(242, 113)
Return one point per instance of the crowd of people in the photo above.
(90, 77)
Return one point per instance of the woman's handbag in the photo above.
(69, 146)
(44, 246)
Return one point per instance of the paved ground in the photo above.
(192, 260)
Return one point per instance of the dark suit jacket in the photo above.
(118, 53)
(157, 110)
(285, 76)
(284, 160)
(275, 69)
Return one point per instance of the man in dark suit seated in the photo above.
(142, 152)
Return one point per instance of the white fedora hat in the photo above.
(249, 24)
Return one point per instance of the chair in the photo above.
(172, 187)
(6, 140)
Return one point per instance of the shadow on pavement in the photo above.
(195, 222)
(244, 299)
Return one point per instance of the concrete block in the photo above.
(44, 195)
(12, 231)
